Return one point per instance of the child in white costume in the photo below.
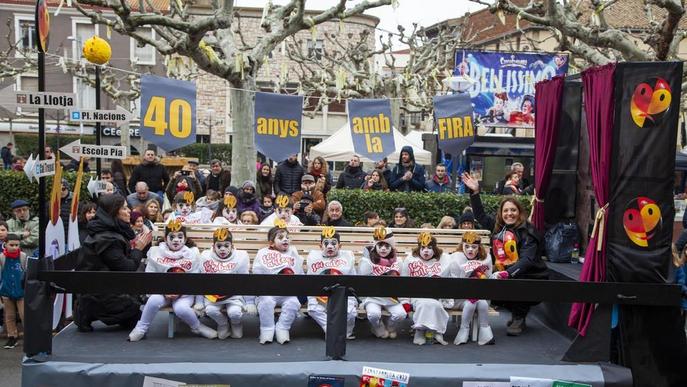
(474, 262)
(172, 256)
(279, 258)
(184, 209)
(428, 260)
(226, 213)
(380, 259)
(224, 258)
(330, 260)
(283, 211)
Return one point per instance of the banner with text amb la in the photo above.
(371, 127)
(168, 112)
(503, 88)
(278, 124)
(454, 122)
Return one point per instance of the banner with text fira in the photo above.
(453, 118)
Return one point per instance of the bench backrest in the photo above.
(305, 238)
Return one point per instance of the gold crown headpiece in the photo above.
(230, 201)
(282, 201)
(471, 237)
(380, 233)
(279, 223)
(328, 232)
(189, 198)
(174, 225)
(424, 239)
(221, 234)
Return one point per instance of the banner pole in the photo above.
(98, 162)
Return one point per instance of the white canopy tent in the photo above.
(339, 147)
(415, 136)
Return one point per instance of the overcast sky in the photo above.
(423, 12)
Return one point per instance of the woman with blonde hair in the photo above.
(447, 222)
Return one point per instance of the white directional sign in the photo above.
(44, 99)
(34, 168)
(96, 186)
(76, 150)
(118, 116)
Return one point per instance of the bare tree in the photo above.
(213, 43)
(596, 31)
(347, 69)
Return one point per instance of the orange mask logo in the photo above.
(328, 232)
(649, 103)
(282, 201)
(221, 234)
(642, 216)
(189, 197)
(174, 225)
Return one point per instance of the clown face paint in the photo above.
(175, 240)
(281, 241)
(426, 253)
(184, 209)
(284, 214)
(330, 247)
(223, 249)
(230, 214)
(470, 250)
(383, 249)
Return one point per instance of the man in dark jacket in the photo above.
(407, 175)
(219, 178)
(151, 172)
(65, 205)
(287, 179)
(440, 182)
(7, 155)
(353, 175)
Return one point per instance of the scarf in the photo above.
(443, 181)
(9, 255)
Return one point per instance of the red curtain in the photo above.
(598, 88)
(548, 96)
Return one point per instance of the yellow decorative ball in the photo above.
(97, 50)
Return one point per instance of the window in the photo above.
(27, 83)
(315, 48)
(25, 33)
(143, 55)
(82, 30)
(85, 94)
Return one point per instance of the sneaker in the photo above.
(11, 343)
(236, 331)
(205, 331)
(419, 337)
(282, 336)
(222, 331)
(516, 327)
(136, 334)
(439, 338)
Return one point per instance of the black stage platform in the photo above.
(105, 358)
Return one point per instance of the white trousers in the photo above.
(482, 308)
(429, 314)
(214, 311)
(183, 308)
(374, 314)
(289, 308)
(318, 312)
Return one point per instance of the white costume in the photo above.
(342, 264)
(269, 221)
(429, 313)
(373, 305)
(202, 216)
(163, 260)
(269, 261)
(474, 268)
(237, 263)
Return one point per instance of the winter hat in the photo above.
(307, 177)
(248, 184)
(383, 234)
(234, 191)
(222, 234)
(467, 217)
(19, 203)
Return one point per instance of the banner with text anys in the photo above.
(371, 127)
(277, 126)
(454, 122)
(168, 112)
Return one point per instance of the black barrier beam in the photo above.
(337, 322)
(301, 285)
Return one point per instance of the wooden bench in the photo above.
(305, 238)
(252, 238)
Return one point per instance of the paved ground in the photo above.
(10, 365)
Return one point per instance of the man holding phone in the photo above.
(316, 197)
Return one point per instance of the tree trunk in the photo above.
(243, 144)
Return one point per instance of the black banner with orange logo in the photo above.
(640, 224)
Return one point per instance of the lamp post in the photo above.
(458, 84)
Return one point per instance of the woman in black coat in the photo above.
(108, 248)
(516, 248)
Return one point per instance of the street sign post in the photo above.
(117, 117)
(34, 168)
(76, 150)
(46, 100)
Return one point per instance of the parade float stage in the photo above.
(105, 358)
